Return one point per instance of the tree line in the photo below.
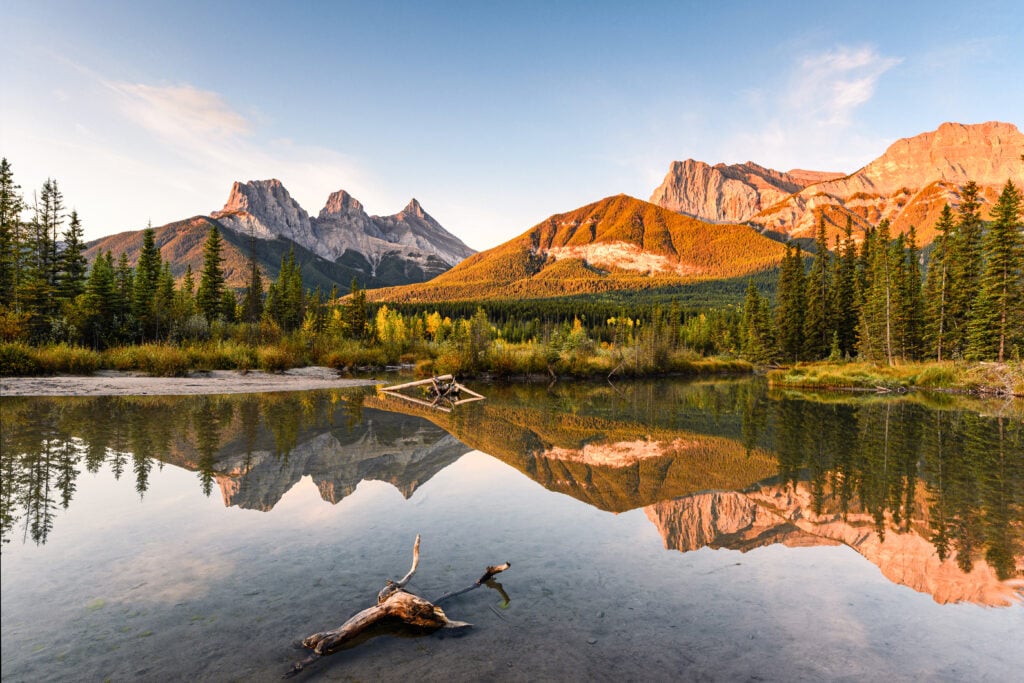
(874, 302)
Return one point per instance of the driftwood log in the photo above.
(393, 603)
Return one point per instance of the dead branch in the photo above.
(393, 602)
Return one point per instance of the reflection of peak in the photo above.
(401, 450)
(772, 514)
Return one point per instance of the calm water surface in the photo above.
(657, 531)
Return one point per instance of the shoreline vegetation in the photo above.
(508, 362)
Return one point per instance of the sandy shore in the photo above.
(112, 383)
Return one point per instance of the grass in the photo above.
(980, 378)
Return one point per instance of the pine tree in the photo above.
(252, 302)
(844, 283)
(818, 323)
(74, 265)
(209, 298)
(163, 302)
(758, 346)
(789, 308)
(998, 311)
(147, 276)
(938, 284)
(100, 302)
(12, 204)
(184, 298)
(354, 318)
(912, 303)
(965, 264)
(879, 299)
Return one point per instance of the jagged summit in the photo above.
(341, 203)
(343, 229)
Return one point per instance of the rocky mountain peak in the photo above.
(265, 209)
(413, 208)
(341, 203)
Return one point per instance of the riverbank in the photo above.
(116, 383)
(983, 379)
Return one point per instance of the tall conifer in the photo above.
(789, 310)
(965, 264)
(209, 297)
(998, 311)
(818, 323)
(937, 287)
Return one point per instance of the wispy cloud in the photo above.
(826, 88)
(809, 116)
(180, 111)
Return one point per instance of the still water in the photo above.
(657, 531)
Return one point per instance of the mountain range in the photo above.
(908, 185)
(341, 243)
(703, 223)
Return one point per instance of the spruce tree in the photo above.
(354, 318)
(879, 298)
(147, 276)
(789, 309)
(998, 311)
(965, 266)
(252, 302)
(209, 298)
(912, 302)
(756, 328)
(844, 285)
(163, 302)
(818, 324)
(12, 204)
(101, 302)
(74, 265)
(937, 287)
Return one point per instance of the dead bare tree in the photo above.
(394, 603)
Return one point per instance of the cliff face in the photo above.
(781, 514)
(343, 229)
(728, 193)
(908, 185)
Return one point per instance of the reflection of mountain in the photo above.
(403, 451)
(772, 513)
(612, 464)
(255, 465)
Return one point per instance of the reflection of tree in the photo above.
(208, 418)
(874, 456)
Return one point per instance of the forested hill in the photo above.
(617, 244)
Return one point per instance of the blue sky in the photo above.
(493, 115)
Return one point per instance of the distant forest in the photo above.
(873, 301)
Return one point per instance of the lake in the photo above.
(663, 530)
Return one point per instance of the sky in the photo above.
(493, 115)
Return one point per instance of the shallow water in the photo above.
(657, 531)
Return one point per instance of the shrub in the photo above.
(158, 360)
(74, 360)
(18, 360)
(274, 358)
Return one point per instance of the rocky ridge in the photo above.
(728, 193)
(342, 229)
(908, 185)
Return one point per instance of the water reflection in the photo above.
(929, 489)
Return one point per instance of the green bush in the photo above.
(18, 360)
(275, 358)
(74, 360)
